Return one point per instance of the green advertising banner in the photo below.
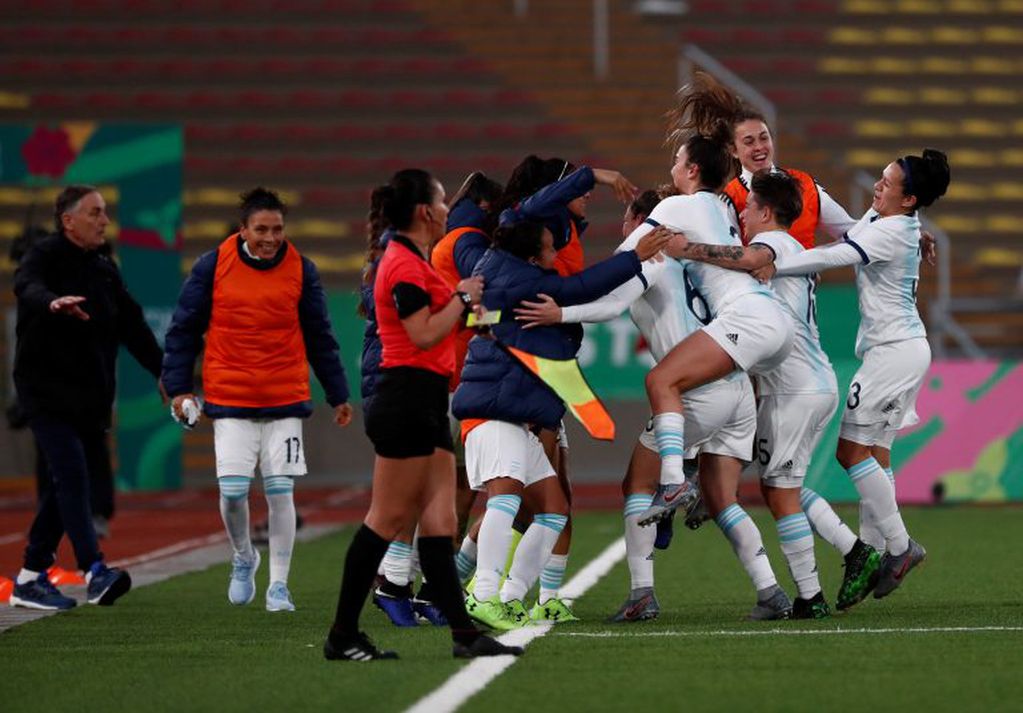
(138, 167)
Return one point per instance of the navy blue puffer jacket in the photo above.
(494, 384)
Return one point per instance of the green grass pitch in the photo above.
(178, 645)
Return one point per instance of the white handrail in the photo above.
(691, 55)
(601, 39)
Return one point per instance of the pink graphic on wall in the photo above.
(968, 426)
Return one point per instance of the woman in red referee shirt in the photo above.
(414, 472)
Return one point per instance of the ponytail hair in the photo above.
(407, 189)
(376, 226)
(703, 122)
(925, 177)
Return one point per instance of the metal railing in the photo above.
(601, 34)
(942, 323)
(691, 56)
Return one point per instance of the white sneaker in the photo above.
(278, 598)
(242, 588)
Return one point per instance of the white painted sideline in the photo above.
(474, 677)
(787, 632)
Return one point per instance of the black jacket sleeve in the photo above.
(29, 281)
(594, 282)
(321, 348)
(191, 319)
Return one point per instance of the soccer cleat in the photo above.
(470, 586)
(640, 606)
(816, 607)
(665, 530)
(107, 584)
(667, 499)
(397, 608)
(483, 645)
(862, 568)
(429, 612)
(772, 604)
(554, 610)
(278, 598)
(490, 612)
(516, 612)
(242, 588)
(40, 594)
(894, 569)
(696, 513)
(353, 648)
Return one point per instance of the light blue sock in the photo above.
(669, 432)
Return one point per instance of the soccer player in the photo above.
(795, 400)
(261, 310)
(892, 343)
(414, 470)
(666, 308)
(499, 401)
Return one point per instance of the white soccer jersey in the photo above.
(806, 370)
(703, 217)
(887, 279)
(663, 302)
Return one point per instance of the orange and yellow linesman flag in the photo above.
(566, 379)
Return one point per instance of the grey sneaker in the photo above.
(640, 606)
(894, 569)
(242, 588)
(668, 499)
(772, 603)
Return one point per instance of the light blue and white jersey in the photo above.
(806, 370)
(887, 279)
(703, 217)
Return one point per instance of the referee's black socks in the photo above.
(437, 559)
(361, 562)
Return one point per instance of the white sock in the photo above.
(465, 560)
(551, 577)
(413, 560)
(747, 544)
(669, 431)
(797, 546)
(530, 559)
(878, 495)
(234, 510)
(26, 575)
(826, 522)
(494, 539)
(639, 541)
(280, 501)
(396, 563)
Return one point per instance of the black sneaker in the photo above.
(816, 607)
(353, 648)
(483, 645)
(107, 584)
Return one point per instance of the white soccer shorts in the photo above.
(274, 444)
(789, 427)
(882, 397)
(721, 418)
(755, 331)
(497, 449)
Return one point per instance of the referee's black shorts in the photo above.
(408, 416)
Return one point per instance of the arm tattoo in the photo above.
(723, 255)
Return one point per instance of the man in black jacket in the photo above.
(73, 312)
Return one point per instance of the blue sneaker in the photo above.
(398, 609)
(428, 611)
(665, 530)
(40, 594)
(107, 584)
(278, 598)
(242, 588)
